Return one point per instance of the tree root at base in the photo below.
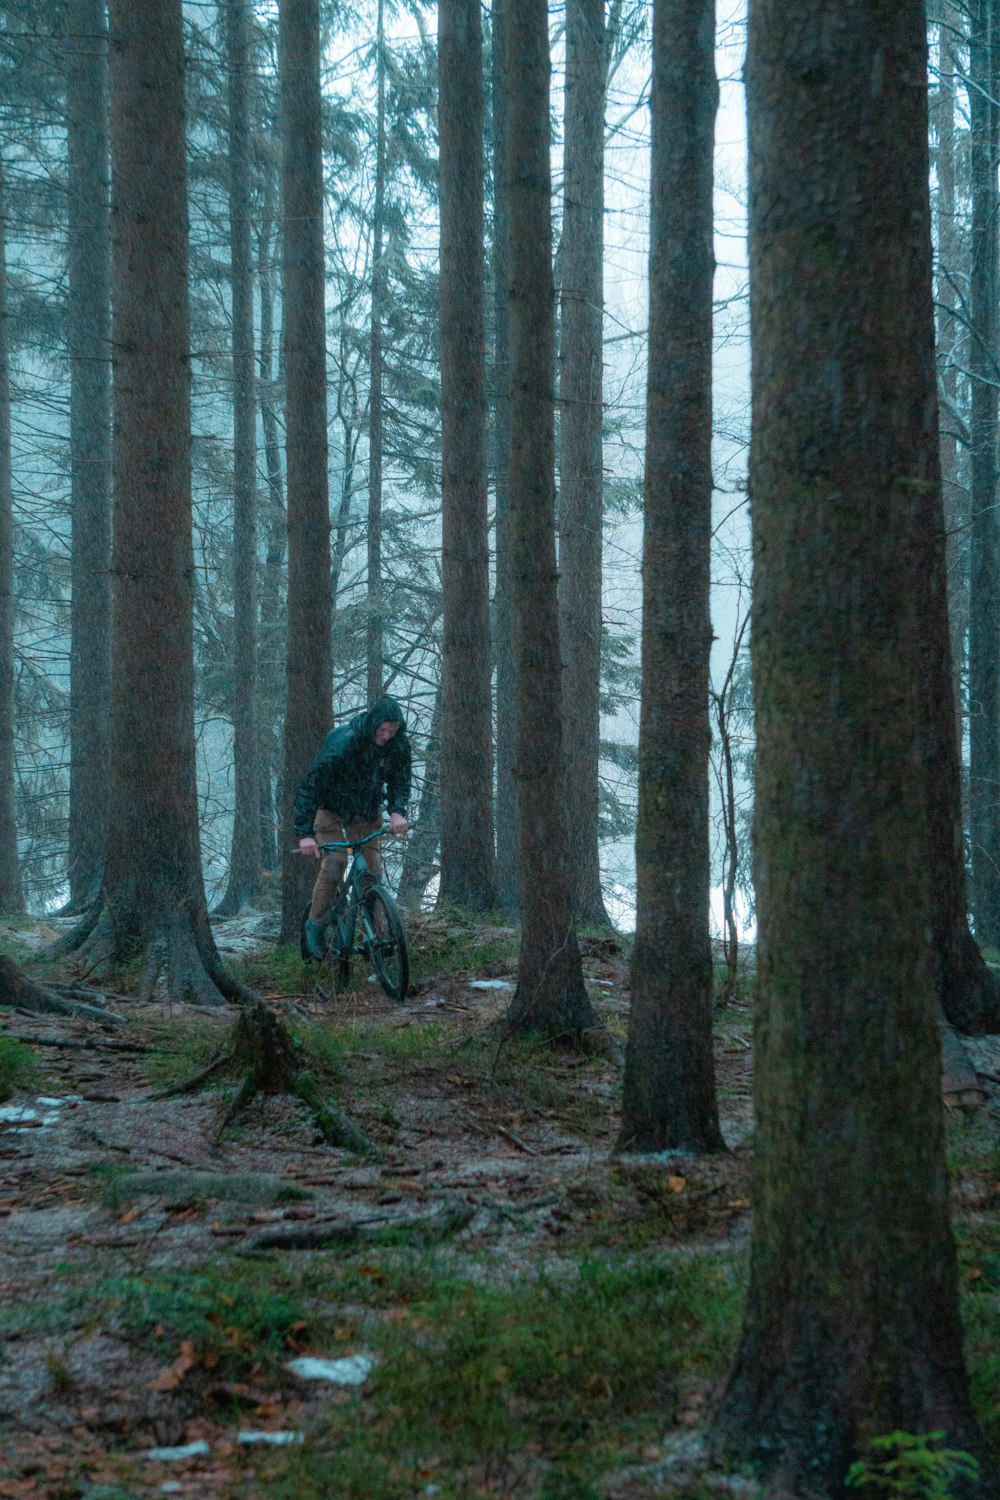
(451, 1216)
(18, 990)
(263, 1052)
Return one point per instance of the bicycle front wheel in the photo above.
(384, 942)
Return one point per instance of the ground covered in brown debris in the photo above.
(496, 1305)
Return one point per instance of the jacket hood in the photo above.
(385, 709)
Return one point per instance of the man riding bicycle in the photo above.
(356, 767)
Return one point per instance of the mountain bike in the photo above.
(364, 922)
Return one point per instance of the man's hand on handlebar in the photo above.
(400, 827)
(309, 847)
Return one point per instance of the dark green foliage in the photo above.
(575, 1366)
(18, 1067)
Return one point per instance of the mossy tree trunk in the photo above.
(852, 1325)
(550, 995)
(468, 861)
(308, 671)
(153, 883)
(669, 1098)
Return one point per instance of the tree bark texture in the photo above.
(153, 885)
(307, 716)
(550, 995)
(984, 541)
(376, 621)
(466, 798)
(503, 639)
(669, 1099)
(11, 896)
(89, 340)
(245, 856)
(852, 1326)
(581, 453)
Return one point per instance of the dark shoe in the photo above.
(315, 939)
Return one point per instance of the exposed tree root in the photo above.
(178, 949)
(593, 1040)
(451, 1216)
(79, 1043)
(970, 989)
(262, 1051)
(236, 900)
(17, 989)
(72, 941)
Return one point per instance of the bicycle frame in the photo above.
(365, 902)
(346, 918)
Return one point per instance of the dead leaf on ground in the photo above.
(170, 1377)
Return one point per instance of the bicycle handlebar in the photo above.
(353, 843)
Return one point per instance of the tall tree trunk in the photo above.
(949, 270)
(307, 717)
(420, 863)
(89, 340)
(852, 1325)
(503, 639)
(969, 990)
(581, 456)
(271, 646)
(11, 897)
(245, 858)
(467, 856)
(153, 883)
(984, 602)
(376, 621)
(550, 995)
(669, 1100)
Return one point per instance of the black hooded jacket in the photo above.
(350, 771)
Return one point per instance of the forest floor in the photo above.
(500, 1306)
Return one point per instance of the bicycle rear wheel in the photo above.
(384, 941)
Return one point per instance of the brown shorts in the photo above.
(328, 826)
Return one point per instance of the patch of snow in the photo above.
(200, 1449)
(24, 1117)
(50, 1103)
(14, 1112)
(276, 1439)
(491, 984)
(352, 1370)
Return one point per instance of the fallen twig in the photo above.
(516, 1140)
